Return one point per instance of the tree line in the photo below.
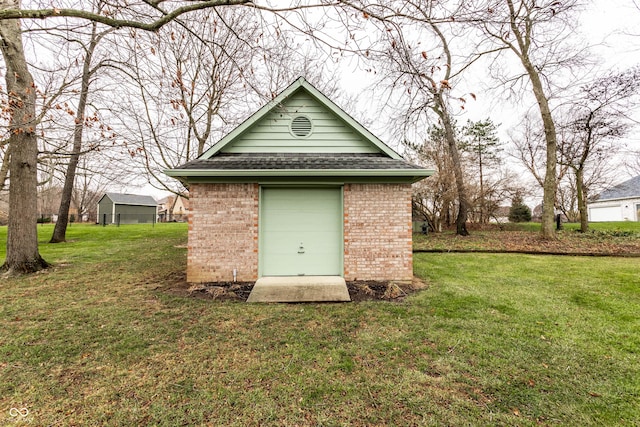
(98, 90)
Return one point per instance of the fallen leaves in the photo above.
(571, 243)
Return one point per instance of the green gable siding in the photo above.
(124, 213)
(105, 207)
(272, 133)
(132, 214)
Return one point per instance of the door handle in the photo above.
(301, 248)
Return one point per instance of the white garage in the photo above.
(619, 203)
(605, 213)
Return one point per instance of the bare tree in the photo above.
(80, 122)
(26, 109)
(597, 119)
(415, 59)
(22, 238)
(535, 32)
(188, 84)
(434, 199)
(529, 149)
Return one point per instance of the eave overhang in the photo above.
(194, 175)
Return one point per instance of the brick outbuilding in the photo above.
(299, 189)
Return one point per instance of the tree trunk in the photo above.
(482, 216)
(549, 185)
(60, 229)
(22, 232)
(582, 201)
(449, 135)
(550, 180)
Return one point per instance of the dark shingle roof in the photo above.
(298, 161)
(131, 199)
(628, 189)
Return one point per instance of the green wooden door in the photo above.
(301, 232)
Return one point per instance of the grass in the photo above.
(495, 340)
(92, 244)
(631, 226)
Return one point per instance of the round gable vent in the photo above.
(301, 126)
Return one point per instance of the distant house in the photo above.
(173, 209)
(500, 215)
(299, 189)
(620, 203)
(73, 215)
(116, 208)
(164, 205)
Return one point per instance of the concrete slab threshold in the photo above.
(300, 289)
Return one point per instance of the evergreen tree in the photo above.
(519, 212)
(483, 144)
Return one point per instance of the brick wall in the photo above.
(377, 232)
(223, 232)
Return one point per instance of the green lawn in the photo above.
(608, 226)
(494, 340)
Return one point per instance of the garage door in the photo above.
(301, 232)
(605, 213)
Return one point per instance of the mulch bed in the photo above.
(239, 291)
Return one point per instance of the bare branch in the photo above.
(118, 23)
